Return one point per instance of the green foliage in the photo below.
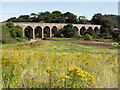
(56, 12)
(114, 18)
(47, 17)
(88, 37)
(91, 32)
(12, 19)
(6, 36)
(41, 22)
(57, 70)
(11, 33)
(70, 17)
(82, 20)
(9, 24)
(116, 36)
(106, 23)
(68, 31)
(16, 31)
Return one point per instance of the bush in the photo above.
(68, 31)
(91, 32)
(6, 36)
(18, 39)
(41, 22)
(11, 33)
(88, 37)
(116, 36)
(9, 24)
(16, 31)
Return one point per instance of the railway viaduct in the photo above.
(52, 28)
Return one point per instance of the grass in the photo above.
(44, 64)
(61, 47)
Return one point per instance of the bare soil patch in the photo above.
(108, 45)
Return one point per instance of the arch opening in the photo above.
(38, 32)
(76, 30)
(96, 30)
(91, 31)
(82, 31)
(46, 31)
(54, 31)
(29, 32)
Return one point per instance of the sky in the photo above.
(87, 9)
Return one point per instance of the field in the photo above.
(58, 63)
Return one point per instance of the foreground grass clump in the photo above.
(58, 70)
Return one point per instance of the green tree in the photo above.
(82, 20)
(68, 31)
(23, 18)
(88, 37)
(70, 17)
(57, 12)
(9, 24)
(16, 32)
(114, 18)
(33, 15)
(12, 19)
(107, 24)
(91, 32)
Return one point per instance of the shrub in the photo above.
(68, 31)
(91, 32)
(10, 33)
(41, 22)
(16, 31)
(6, 36)
(9, 24)
(88, 37)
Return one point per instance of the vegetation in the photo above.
(59, 62)
(91, 32)
(11, 33)
(114, 18)
(116, 36)
(107, 22)
(68, 31)
(88, 37)
(58, 65)
(47, 17)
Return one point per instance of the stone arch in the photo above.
(38, 32)
(28, 32)
(54, 31)
(76, 30)
(82, 30)
(96, 29)
(90, 28)
(91, 31)
(46, 31)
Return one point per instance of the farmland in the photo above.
(58, 64)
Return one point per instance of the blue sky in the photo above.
(88, 9)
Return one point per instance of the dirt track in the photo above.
(108, 45)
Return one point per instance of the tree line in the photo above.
(107, 22)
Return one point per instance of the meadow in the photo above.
(58, 64)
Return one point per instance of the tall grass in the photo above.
(31, 68)
(51, 64)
